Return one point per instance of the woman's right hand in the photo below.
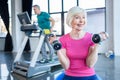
(52, 38)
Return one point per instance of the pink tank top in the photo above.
(77, 51)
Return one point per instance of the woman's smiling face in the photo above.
(78, 21)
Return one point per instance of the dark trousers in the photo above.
(94, 77)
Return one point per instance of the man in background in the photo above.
(45, 21)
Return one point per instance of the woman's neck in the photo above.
(77, 35)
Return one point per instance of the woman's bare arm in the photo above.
(63, 58)
(92, 56)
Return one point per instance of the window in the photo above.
(69, 4)
(91, 4)
(55, 6)
(57, 27)
(67, 28)
(58, 9)
(43, 5)
(95, 14)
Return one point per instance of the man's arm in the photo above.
(52, 21)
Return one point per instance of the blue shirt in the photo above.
(43, 20)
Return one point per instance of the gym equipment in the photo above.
(29, 27)
(97, 38)
(31, 68)
(56, 44)
(43, 76)
(110, 54)
(99, 78)
(60, 76)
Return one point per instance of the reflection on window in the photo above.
(3, 31)
(55, 6)
(57, 26)
(69, 4)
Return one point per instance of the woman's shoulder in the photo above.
(64, 37)
(88, 34)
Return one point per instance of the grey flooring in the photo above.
(106, 68)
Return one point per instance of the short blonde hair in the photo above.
(73, 11)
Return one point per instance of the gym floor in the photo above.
(106, 68)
